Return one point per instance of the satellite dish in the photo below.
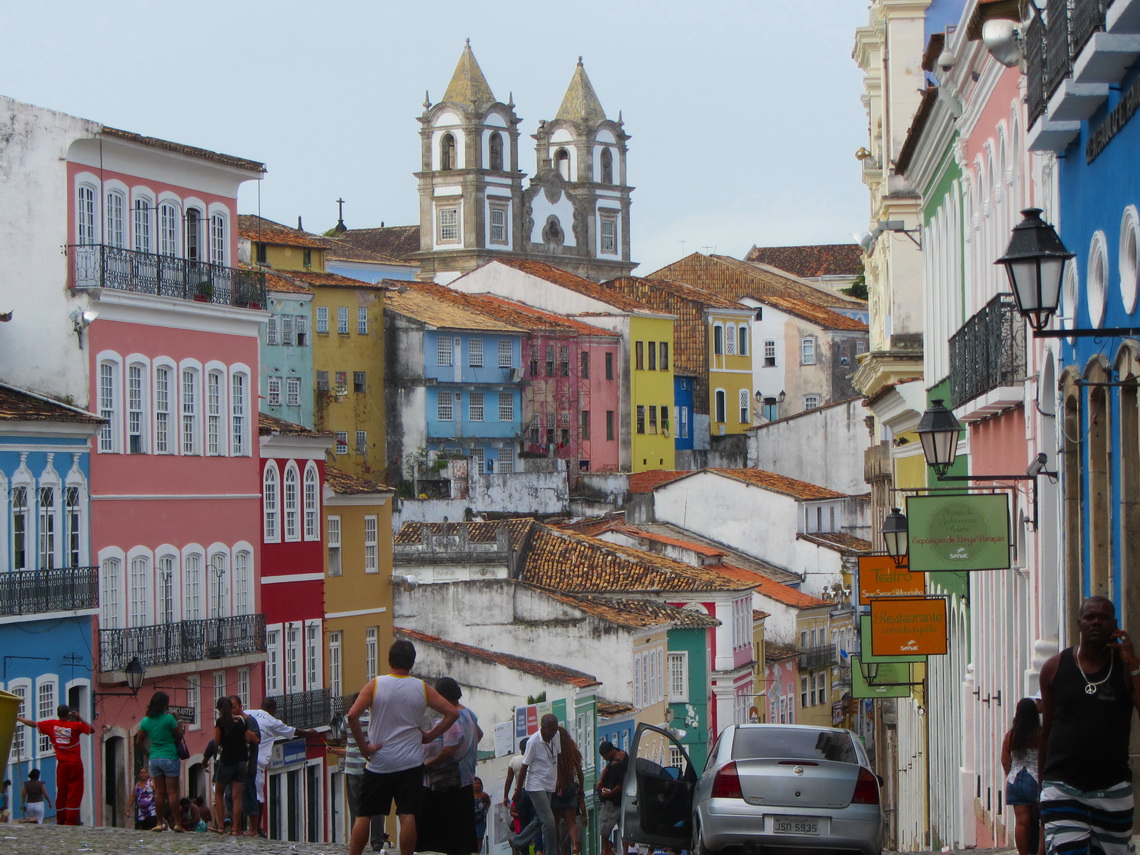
(1002, 39)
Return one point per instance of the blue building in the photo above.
(683, 412)
(455, 383)
(286, 351)
(1083, 90)
(48, 588)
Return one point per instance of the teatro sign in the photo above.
(879, 577)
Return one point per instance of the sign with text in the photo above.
(865, 646)
(898, 687)
(879, 577)
(958, 532)
(914, 625)
(528, 717)
(185, 714)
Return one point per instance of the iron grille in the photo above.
(1058, 42)
(988, 352)
(100, 266)
(26, 592)
(305, 710)
(1087, 18)
(822, 656)
(341, 705)
(183, 641)
(1035, 68)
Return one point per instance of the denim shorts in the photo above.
(1022, 790)
(168, 767)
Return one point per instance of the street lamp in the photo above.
(939, 429)
(135, 674)
(895, 536)
(870, 671)
(337, 729)
(1035, 263)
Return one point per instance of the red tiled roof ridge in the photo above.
(812, 312)
(645, 482)
(629, 609)
(840, 541)
(573, 282)
(506, 310)
(262, 230)
(681, 289)
(18, 404)
(812, 260)
(535, 667)
(348, 484)
(633, 529)
(780, 483)
(788, 596)
(268, 425)
(188, 150)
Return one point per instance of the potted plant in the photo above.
(204, 292)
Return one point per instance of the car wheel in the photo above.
(701, 848)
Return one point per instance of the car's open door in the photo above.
(657, 798)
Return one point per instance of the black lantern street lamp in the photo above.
(1035, 263)
(896, 537)
(135, 674)
(939, 429)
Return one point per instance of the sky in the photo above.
(744, 115)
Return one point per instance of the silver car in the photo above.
(765, 786)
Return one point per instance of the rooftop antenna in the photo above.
(682, 246)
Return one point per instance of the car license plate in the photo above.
(795, 825)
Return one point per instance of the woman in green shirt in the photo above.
(163, 732)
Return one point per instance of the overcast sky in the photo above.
(744, 114)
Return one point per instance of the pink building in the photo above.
(169, 341)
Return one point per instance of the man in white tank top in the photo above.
(394, 748)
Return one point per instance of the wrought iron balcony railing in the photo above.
(817, 657)
(1035, 71)
(182, 641)
(306, 710)
(1053, 45)
(342, 704)
(65, 589)
(988, 352)
(101, 266)
(1086, 18)
(1058, 45)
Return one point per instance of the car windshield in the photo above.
(785, 743)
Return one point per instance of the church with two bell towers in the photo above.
(573, 214)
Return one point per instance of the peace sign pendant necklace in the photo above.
(1090, 687)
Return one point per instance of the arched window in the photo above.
(215, 402)
(143, 238)
(447, 152)
(137, 405)
(166, 586)
(312, 503)
(192, 586)
(116, 219)
(85, 216)
(497, 151)
(607, 166)
(73, 522)
(217, 239)
(110, 601)
(243, 583)
(168, 229)
(110, 379)
(239, 383)
(48, 528)
(721, 398)
(562, 163)
(742, 340)
(269, 500)
(140, 591)
(291, 498)
(193, 234)
(718, 340)
(219, 604)
(191, 409)
(21, 526)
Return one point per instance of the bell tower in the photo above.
(469, 180)
(581, 156)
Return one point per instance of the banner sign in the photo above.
(898, 687)
(528, 717)
(958, 532)
(185, 714)
(902, 625)
(879, 577)
(865, 646)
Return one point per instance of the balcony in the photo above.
(27, 592)
(100, 266)
(305, 710)
(342, 704)
(987, 355)
(182, 641)
(814, 658)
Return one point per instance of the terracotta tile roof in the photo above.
(779, 652)
(840, 541)
(637, 613)
(734, 279)
(780, 484)
(16, 405)
(188, 150)
(477, 532)
(646, 482)
(831, 259)
(281, 283)
(345, 484)
(566, 561)
(401, 242)
(337, 249)
(759, 615)
(317, 279)
(554, 275)
(272, 426)
(420, 305)
(657, 537)
(542, 670)
(260, 230)
(813, 313)
(660, 293)
(612, 709)
(788, 596)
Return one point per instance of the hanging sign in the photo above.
(898, 685)
(914, 625)
(879, 577)
(958, 532)
(865, 646)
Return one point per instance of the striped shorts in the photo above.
(1096, 821)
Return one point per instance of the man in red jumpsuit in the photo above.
(64, 733)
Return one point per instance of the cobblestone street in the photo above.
(61, 840)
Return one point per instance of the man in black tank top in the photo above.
(1088, 693)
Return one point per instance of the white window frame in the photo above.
(190, 410)
(444, 351)
(608, 232)
(313, 676)
(139, 576)
(271, 503)
(216, 406)
(769, 353)
(811, 402)
(86, 233)
(448, 223)
(475, 408)
(240, 445)
(332, 542)
(336, 678)
(47, 692)
(273, 391)
(273, 660)
(678, 676)
(341, 442)
(505, 464)
(293, 391)
(807, 350)
(243, 595)
(111, 591)
(291, 502)
(497, 234)
(370, 652)
(165, 390)
(272, 338)
(323, 319)
(445, 405)
(362, 442)
(362, 320)
(137, 401)
(506, 406)
(115, 219)
(371, 544)
(193, 565)
(506, 353)
(110, 397)
(475, 353)
(342, 320)
(312, 497)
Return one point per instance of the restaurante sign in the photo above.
(958, 532)
(908, 626)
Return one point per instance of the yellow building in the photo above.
(651, 392)
(730, 371)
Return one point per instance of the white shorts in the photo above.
(35, 811)
(259, 782)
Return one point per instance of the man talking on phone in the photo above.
(1088, 693)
